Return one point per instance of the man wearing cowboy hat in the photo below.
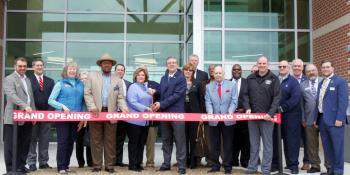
(104, 93)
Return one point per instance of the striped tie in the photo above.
(41, 84)
(322, 92)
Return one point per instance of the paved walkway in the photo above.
(124, 170)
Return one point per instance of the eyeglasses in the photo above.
(236, 69)
(280, 67)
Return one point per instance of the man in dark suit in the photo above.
(290, 109)
(172, 99)
(199, 75)
(121, 127)
(241, 133)
(42, 87)
(297, 68)
(332, 102)
(19, 96)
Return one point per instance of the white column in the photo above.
(198, 30)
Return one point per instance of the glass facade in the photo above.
(134, 32)
(238, 31)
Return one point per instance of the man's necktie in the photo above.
(313, 89)
(41, 84)
(219, 89)
(322, 92)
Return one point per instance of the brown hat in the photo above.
(106, 57)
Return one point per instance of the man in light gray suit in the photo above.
(19, 95)
(309, 97)
(221, 98)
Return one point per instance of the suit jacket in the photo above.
(224, 105)
(308, 102)
(16, 97)
(41, 97)
(201, 76)
(172, 92)
(93, 92)
(243, 94)
(335, 100)
(194, 98)
(290, 97)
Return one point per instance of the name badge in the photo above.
(332, 88)
(268, 82)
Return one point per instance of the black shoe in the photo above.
(295, 171)
(121, 164)
(228, 171)
(110, 170)
(244, 165)
(313, 170)
(181, 171)
(274, 169)
(162, 168)
(134, 169)
(140, 167)
(81, 165)
(235, 163)
(213, 170)
(45, 166)
(23, 170)
(32, 168)
(95, 170)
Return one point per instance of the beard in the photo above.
(313, 77)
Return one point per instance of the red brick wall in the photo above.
(325, 11)
(332, 46)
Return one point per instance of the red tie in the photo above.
(219, 89)
(41, 84)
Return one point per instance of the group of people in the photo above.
(309, 105)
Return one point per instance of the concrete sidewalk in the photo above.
(124, 170)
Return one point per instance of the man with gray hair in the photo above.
(297, 68)
(309, 90)
(172, 100)
(264, 97)
(199, 75)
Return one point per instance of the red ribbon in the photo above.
(59, 116)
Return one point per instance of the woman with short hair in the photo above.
(67, 96)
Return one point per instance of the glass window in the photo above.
(212, 46)
(86, 54)
(46, 5)
(212, 13)
(259, 14)
(304, 46)
(189, 46)
(93, 5)
(248, 46)
(155, 27)
(95, 27)
(50, 52)
(170, 6)
(153, 55)
(46, 26)
(189, 25)
(303, 14)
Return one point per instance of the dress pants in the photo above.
(120, 138)
(260, 129)
(66, 135)
(150, 143)
(174, 131)
(191, 136)
(306, 158)
(240, 152)
(137, 139)
(333, 144)
(227, 140)
(80, 148)
(290, 130)
(23, 142)
(40, 139)
(103, 143)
